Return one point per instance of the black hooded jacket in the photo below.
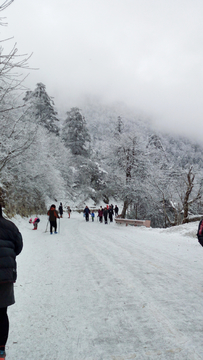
(11, 244)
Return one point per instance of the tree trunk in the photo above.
(190, 184)
(125, 207)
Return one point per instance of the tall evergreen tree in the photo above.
(119, 127)
(75, 133)
(43, 107)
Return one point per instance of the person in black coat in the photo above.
(111, 213)
(61, 210)
(105, 213)
(86, 212)
(116, 210)
(11, 245)
(200, 232)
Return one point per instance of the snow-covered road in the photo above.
(107, 292)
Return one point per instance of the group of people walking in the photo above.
(103, 213)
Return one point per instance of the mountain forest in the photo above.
(98, 152)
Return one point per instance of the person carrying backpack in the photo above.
(200, 232)
(53, 215)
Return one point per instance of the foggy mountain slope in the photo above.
(102, 119)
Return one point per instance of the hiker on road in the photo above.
(53, 215)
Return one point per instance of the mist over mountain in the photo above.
(98, 152)
(102, 119)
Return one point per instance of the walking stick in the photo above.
(59, 226)
(47, 225)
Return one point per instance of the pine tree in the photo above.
(119, 127)
(43, 107)
(75, 133)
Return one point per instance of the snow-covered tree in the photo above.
(75, 133)
(17, 132)
(174, 191)
(188, 192)
(42, 105)
(119, 127)
(126, 159)
(16, 135)
(39, 173)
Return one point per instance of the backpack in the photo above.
(38, 220)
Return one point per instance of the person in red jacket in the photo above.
(53, 215)
(35, 224)
(100, 214)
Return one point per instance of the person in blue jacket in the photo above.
(92, 215)
(11, 245)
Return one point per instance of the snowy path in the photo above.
(107, 292)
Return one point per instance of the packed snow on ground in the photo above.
(107, 292)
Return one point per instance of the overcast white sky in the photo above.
(147, 53)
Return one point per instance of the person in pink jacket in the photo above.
(35, 223)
